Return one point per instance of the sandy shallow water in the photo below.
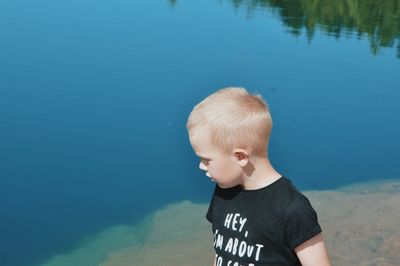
(360, 225)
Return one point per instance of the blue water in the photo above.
(94, 96)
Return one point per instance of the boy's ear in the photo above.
(242, 156)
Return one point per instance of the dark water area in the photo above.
(94, 96)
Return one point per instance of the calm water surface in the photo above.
(94, 97)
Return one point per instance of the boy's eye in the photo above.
(205, 160)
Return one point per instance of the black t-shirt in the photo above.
(262, 226)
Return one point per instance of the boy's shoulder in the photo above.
(285, 194)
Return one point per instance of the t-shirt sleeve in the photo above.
(301, 222)
(209, 214)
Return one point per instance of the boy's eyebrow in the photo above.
(198, 155)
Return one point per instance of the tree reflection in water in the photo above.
(379, 21)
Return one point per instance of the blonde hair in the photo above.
(235, 119)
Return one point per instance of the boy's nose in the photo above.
(202, 166)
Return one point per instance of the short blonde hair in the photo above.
(235, 119)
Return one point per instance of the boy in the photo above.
(258, 216)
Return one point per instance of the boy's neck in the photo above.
(259, 173)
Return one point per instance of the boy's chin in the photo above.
(225, 186)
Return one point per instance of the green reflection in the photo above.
(378, 20)
(172, 2)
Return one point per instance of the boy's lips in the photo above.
(212, 179)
